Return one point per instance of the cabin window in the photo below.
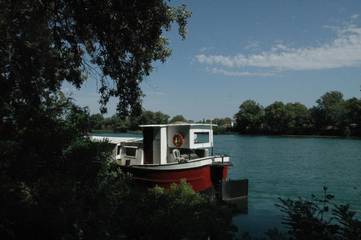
(201, 137)
(130, 152)
(118, 150)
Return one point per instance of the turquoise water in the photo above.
(290, 167)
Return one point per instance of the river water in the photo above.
(290, 167)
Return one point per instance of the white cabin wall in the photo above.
(140, 156)
(163, 145)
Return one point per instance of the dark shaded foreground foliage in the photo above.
(320, 218)
(57, 184)
(316, 219)
(176, 213)
(100, 202)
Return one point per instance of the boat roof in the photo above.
(178, 124)
(115, 140)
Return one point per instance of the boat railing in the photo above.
(222, 156)
(213, 158)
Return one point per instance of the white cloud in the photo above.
(239, 73)
(355, 16)
(343, 51)
(252, 45)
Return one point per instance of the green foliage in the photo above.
(352, 117)
(114, 123)
(149, 117)
(117, 123)
(332, 115)
(276, 117)
(298, 118)
(222, 125)
(250, 117)
(353, 111)
(44, 43)
(330, 110)
(176, 213)
(178, 118)
(222, 122)
(32, 143)
(58, 201)
(88, 197)
(55, 183)
(320, 218)
(96, 121)
(78, 118)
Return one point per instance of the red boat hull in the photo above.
(200, 178)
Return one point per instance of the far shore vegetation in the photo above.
(331, 116)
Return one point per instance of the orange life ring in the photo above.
(178, 139)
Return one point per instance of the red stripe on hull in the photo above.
(199, 178)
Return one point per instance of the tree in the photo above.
(223, 122)
(178, 118)
(299, 118)
(249, 117)
(161, 118)
(221, 125)
(329, 110)
(50, 172)
(353, 111)
(47, 42)
(119, 124)
(353, 116)
(276, 117)
(48, 176)
(96, 121)
(149, 117)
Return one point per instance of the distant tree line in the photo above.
(118, 124)
(332, 115)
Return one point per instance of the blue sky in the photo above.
(292, 51)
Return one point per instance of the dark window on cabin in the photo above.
(130, 152)
(200, 152)
(201, 137)
(118, 150)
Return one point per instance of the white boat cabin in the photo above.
(164, 144)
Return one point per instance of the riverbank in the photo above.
(136, 132)
(298, 135)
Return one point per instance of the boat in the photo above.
(170, 153)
